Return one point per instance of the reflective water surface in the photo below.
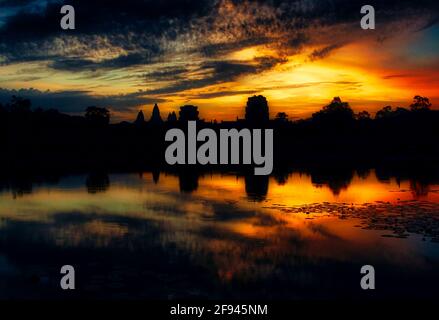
(164, 236)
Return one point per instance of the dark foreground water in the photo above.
(159, 236)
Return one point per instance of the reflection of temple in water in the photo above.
(256, 187)
(23, 184)
(281, 177)
(97, 182)
(21, 187)
(156, 176)
(188, 181)
(336, 180)
(419, 189)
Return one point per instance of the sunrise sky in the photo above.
(128, 55)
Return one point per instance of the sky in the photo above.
(128, 55)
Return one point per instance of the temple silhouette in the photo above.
(331, 146)
(335, 136)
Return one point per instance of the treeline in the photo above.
(335, 135)
(393, 134)
(19, 111)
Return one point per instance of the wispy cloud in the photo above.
(172, 49)
(77, 101)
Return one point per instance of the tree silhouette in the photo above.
(337, 105)
(97, 116)
(420, 104)
(3, 116)
(385, 112)
(401, 111)
(281, 117)
(256, 111)
(363, 115)
(336, 113)
(20, 105)
(2, 110)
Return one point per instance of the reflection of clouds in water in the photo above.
(5, 267)
(217, 232)
(97, 182)
(340, 185)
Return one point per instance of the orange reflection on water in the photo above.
(220, 224)
(300, 190)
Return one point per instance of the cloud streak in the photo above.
(190, 49)
(142, 31)
(77, 101)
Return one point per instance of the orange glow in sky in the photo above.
(298, 70)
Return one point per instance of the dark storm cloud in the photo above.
(109, 17)
(219, 49)
(324, 52)
(122, 61)
(143, 28)
(15, 3)
(218, 72)
(77, 101)
(105, 17)
(166, 74)
(228, 93)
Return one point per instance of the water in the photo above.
(162, 236)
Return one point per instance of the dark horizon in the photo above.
(419, 103)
